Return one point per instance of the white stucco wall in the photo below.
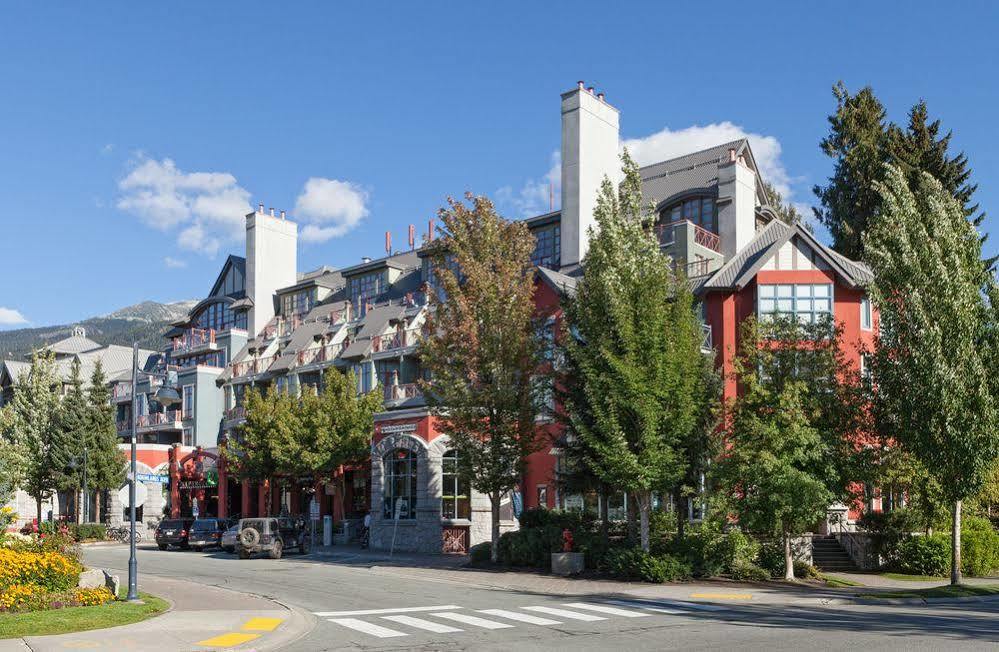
(271, 263)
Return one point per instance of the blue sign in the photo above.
(151, 477)
(518, 503)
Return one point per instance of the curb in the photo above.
(927, 601)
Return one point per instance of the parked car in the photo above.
(207, 533)
(271, 535)
(229, 538)
(173, 532)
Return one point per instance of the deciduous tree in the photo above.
(484, 350)
(935, 365)
(35, 408)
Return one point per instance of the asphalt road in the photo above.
(361, 607)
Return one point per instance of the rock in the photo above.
(113, 582)
(92, 578)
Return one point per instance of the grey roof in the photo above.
(73, 344)
(115, 360)
(742, 268)
(403, 260)
(328, 279)
(558, 281)
(373, 324)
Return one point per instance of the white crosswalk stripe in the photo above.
(368, 628)
(472, 620)
(524, 618)
(375, 612)
(605, 609)
(420, 623)
(565, 613)
(657, 609)
(668, 606)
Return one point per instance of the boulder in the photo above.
(92, 578)
(112, 582)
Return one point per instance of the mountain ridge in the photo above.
(143, 322)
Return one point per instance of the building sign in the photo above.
(210, 482)
(397, 428)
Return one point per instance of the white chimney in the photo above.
(736, 204)
(271, 263)
(590, 137)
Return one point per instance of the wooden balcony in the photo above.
(252, 367)
(194, 339)
(397, 340)
(401, 392)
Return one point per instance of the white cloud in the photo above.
(535, 196)
(667, 144)
(331, 208)
(174, 263)
(208, 208)
(11, 317)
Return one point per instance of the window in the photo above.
(809, 302)
(699, 210)
(865, 368)
(188, 437)
(548, 247)
(399, 482)
(364, 288)
(297, 303)
(543, 496)
(866, 321)
(217, 316)
(187, 406)
(456, 498)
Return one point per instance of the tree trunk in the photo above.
(604, 515)
(680, 507)
(38, 506)
(632, 518)
(955, 546)
(494, 499)
(788, 558)
(644, 505)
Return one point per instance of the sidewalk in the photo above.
(201, 618)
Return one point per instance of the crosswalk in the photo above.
(453, 619)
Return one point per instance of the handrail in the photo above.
(396, 340)
(406, 390)
(254, 366)
(194, 337)
(665, 234)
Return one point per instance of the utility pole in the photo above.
(133, 565)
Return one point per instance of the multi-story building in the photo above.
(714, 219)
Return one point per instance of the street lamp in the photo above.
(165, 396)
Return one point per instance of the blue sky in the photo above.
(130, 134)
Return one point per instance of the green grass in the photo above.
(838, 582)
(79, 619)
(911, 578)
(948, 591)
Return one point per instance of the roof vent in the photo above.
(365, 259)
(79, 331)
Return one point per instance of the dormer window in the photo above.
(298, 303)
(364, 288)
(702, 211)
(547, 246)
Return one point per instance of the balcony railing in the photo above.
(398, 392)
(397, 340)
(237, 413)
(666, 234)
(170, 418)
(706, 344)
(121, 392)
(194, 338)
(321, 354)
(252, 367)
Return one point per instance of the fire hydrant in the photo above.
(566, 540)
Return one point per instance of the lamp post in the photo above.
(165, 396)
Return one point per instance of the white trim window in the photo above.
(866, 317)
(187, 437)
(809, 302)
(187, 404)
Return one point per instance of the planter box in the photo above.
(567, 563)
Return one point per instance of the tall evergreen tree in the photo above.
(785, 210)
(71, 436)
(856, 142)
(935, 364)
(485, 350)
(638, 352)
(35, 407)
(105, 460)
(12, 455)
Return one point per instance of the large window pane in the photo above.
(399, 470)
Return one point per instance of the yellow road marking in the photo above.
(724, 596)
(262, 624)
(228, 640)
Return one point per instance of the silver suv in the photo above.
(271, 535)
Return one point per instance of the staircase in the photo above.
(829, 555)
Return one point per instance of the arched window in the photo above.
(456, 499)
(399, 484)
(702, 211)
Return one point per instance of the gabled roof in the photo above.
(232, 261)
(564, 285)
(742, 268)
(72, 345)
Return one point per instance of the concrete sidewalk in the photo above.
(201, 618)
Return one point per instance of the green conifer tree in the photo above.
(35, 408)
(105, 460)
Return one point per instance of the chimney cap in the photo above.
(590, 90)
(260, 207)
(282, 215)
(582, 84)
(600, 96)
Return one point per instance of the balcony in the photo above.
(397, 340)
(194, 340)
(281, 327)
(121, 393)
(401, 392)
(706, 343)
(169, 420)
(234, 416)
(666, 234)
(320, 355)
(252, 367)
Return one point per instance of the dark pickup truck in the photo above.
(174, 532)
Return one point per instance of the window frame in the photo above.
(187, 391)
(409, 478)
(866, 314)
(794, 295)
(455, 490)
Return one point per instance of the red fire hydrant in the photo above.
(566, 540)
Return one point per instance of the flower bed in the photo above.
(34, 578)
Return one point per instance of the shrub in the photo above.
(924, 555)
(749, 572)
(979, 547)
(771, 558)
(634, 563)
(889, 529)
(805, 571)
(91, 531)
(481, 552)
